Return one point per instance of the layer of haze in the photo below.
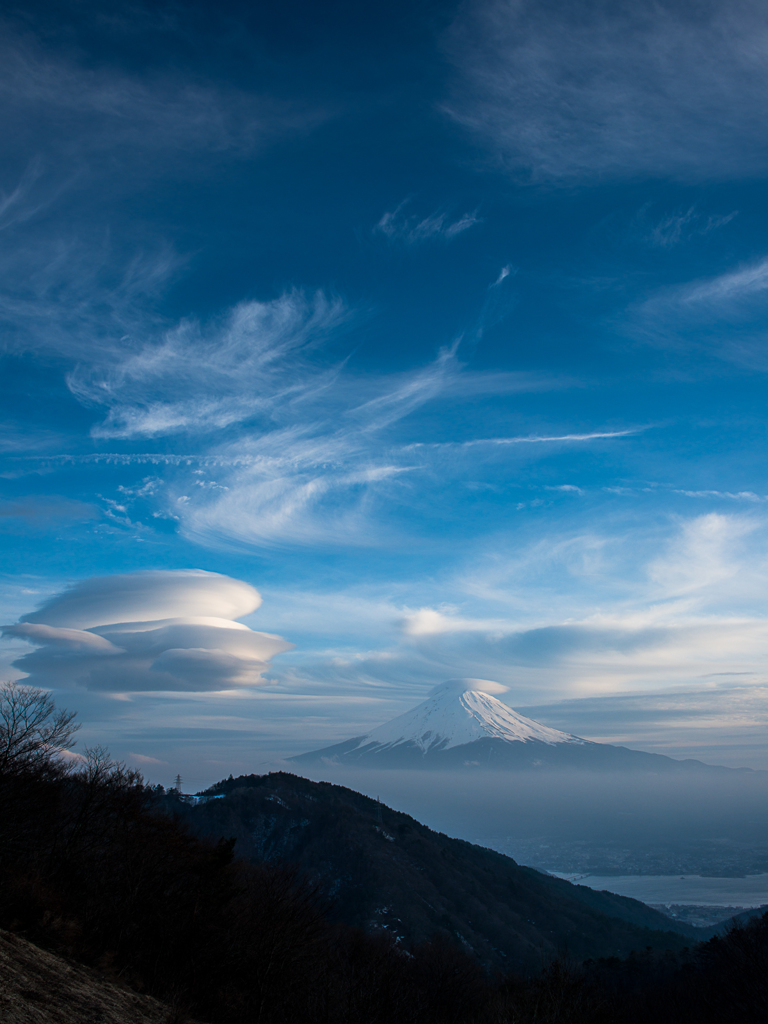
(626, 823)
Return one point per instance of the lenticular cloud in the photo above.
(161, 630)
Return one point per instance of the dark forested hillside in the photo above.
(106, 872)
(382, 870)
(94, 867)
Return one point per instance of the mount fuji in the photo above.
(462, 725)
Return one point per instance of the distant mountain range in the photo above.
(382, 871)
(462, 725)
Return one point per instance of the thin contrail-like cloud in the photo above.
(535, 439)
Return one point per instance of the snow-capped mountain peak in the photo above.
(462, 711)
(463, 726)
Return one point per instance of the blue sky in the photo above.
(441, 325)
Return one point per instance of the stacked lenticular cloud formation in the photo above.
(161, 630)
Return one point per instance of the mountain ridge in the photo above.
(382, 870)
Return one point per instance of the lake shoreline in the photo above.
(742, 892)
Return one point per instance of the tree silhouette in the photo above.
(34, 733)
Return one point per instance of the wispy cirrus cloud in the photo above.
(86, 111)
(88, 133)
(724, 314)
(411, 229)
(568, 91)
(721, 721)
(598, 435)
(318, 478)
(327, 475)
(242, 367)
(282, 443)
(74, 297)
(735, 286)
(287, 504)
(676, 228)
(749, 496)
(28, 196)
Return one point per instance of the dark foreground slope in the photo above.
(94, 870)
(383, 870)
(39, 987)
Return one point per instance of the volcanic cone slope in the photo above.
(463, 725)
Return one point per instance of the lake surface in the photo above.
(694, 890)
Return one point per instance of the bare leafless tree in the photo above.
(34, 733)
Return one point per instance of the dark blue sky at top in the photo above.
(458, 230)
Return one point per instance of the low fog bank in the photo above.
(586, 822)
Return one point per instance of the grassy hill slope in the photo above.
(39, 987)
